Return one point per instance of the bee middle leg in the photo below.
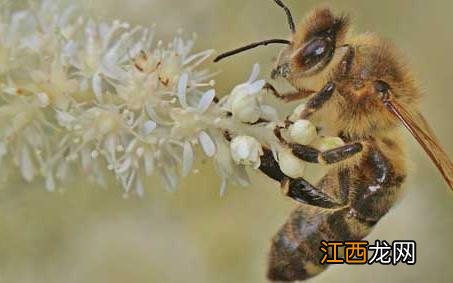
(331, 156)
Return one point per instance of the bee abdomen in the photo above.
(295, 252)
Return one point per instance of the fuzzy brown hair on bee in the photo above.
(357, 88)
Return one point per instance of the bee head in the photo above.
(314, 47)
(317, 46)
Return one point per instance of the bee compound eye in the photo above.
(313, 52)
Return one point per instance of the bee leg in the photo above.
(278, 133)
(288, 97)
(331, 156)
(270, 167)
(312, 155)
(302, 191)
(298, 189)
(318, 100)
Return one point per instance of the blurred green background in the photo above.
(90, 235)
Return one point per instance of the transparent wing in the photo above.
(422, 132)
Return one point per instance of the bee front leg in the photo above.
(287, 97)
(318, 100)
(314, 104)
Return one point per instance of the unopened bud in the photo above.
(246, 150)
(302, 132)
(326, 143)
(290, 164)
(246, 108)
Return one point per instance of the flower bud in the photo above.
(244, 103)
(246, 150)
(326, 143)
(302, 132)
(290, 164)
(246, 108)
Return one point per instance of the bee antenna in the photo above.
(250, 46)
(292, 27)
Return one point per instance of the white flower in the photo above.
(246, 150)
(302, 132)
(290, 164)
(207, 144)
(326, 143)
(104, 100)
(245, 107)
(244, 100)
(107, 95)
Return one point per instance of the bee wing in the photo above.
(422, 132)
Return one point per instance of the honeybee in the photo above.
(358, 89)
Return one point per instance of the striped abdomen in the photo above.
(372, 188)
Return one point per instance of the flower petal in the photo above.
(27, 169)
(206, 100)
(96, 84)
(255, 73)
(207, 144)
(182, 87)
(148, 127)
(187, 159)
(200, 56)
(255, 87)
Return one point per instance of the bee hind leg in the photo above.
(269, 166)
(302, 191)
(298, 189)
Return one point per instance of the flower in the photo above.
(246, 150)
(326, 143)
(244, 101)
(100, 100)
(302, 132)
(290, 164)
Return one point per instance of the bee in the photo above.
(359, 89)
